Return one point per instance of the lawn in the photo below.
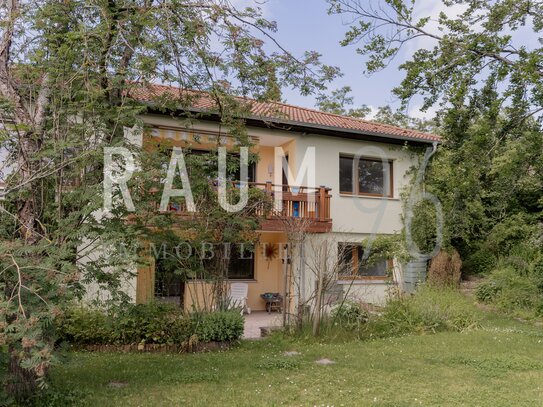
(500, 364)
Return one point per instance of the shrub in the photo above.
(349, 315)
(148, 323)
(86, 326)
(430, 309)
(152, 323)
(444, 269)
(481, 261)
(218, 326)
(515, 231)
(487, 292)
(516, 290)
(515, 287)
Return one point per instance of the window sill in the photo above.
(364, 281)
(382, 198)
(228, 280)
(241, 280)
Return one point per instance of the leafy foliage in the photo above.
(68, 72)
(349, 314)
(340, 102)
(147, 323)
(218, 326)
(515, 286)
(487, 81)
(429, 310)
(387, 247)
(142, 323)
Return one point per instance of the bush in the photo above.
(514, 291)
(487, 292)
(515, 286)
(349, 315)
(481, 261)
(219, 326)
(146, 323)
(152, 323)
(444, 269)
(86, 326)
(430, 309)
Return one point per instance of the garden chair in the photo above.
(238, 296)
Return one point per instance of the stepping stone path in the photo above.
(325, 361)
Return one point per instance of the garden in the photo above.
(437, 348)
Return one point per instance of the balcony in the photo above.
(302, 207)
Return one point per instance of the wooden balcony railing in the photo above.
(309, 206)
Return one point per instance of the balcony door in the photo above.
(285, 176)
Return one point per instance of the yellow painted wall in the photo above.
(266, 154)
(268, 278)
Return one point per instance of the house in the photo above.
(348, 201)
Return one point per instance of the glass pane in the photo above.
(372, 176)
(169, 284)
(345, 174)
(241, 267)
(377, 269)
(345, 253)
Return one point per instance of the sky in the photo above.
(305, 25)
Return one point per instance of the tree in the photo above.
(470, 48)
(339, 102)
(484, 73)
(67, 70)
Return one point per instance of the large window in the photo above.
(366, 176)
(353, 264)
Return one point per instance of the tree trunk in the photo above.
(321, 271)
(21, 383)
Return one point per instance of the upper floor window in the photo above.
(366, 176)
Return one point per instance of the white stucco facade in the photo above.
(354, 218)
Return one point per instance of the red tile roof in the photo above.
(285, 113)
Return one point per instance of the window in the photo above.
(353, 265)
(169, 281)
(241, 267)
(370, 177)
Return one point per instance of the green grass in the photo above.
(500, 364)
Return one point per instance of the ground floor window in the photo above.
(353, 264)
(242, 263)
(169, 283)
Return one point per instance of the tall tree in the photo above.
(482, 66)
(340, 101)
(67, 70)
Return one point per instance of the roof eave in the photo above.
(328, 130)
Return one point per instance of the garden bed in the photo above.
(155, 347)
